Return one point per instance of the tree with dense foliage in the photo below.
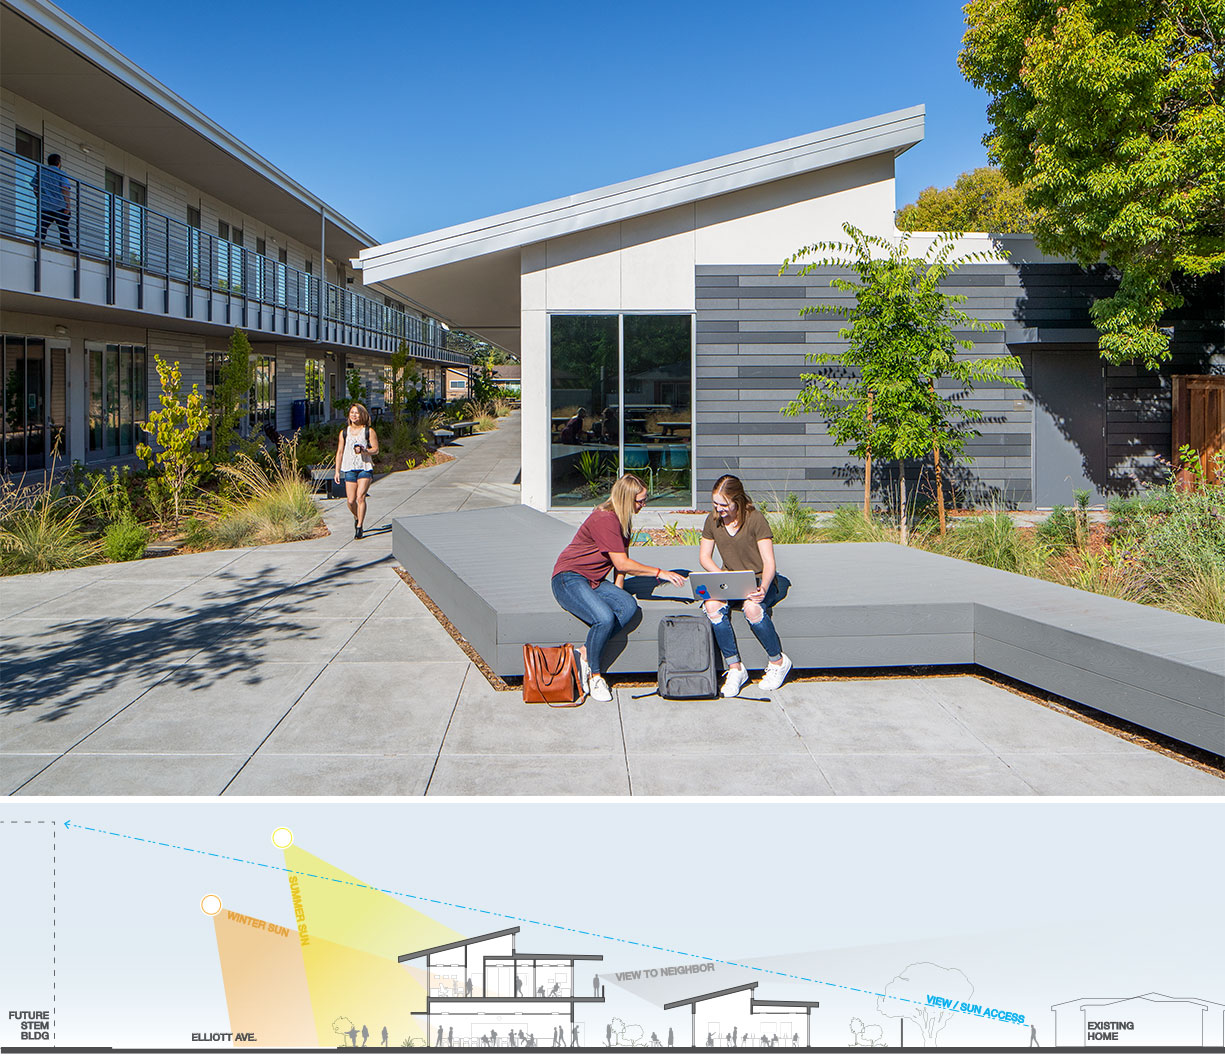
(175, 427)
(981, 200)
(1111, 115)
(231, 392)
(402, 379)
(880, 395)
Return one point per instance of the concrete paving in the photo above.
(311, 669)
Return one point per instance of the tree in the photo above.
(906, 994)
(403, 377)
(175, 427)
(357, 393)
(981, 200)
(1111, 115)
(900, 345)
(463, 342)
(231, 392)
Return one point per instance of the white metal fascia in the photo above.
(94, 49)
(885, 133)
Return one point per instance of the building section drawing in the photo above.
(485, 993)
(219, 929)
(736, 1017)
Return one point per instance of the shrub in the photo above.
(793, 523)
(994, 541)
(1058, 530)
(848, 524)
(125, 540)
(264, 505)
(40, 530)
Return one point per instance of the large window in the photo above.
(263, 390)
(316, 397)
(620, 400)
(32, 394)
(116, 397)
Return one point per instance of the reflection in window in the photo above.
(263, 390)
(603, 423)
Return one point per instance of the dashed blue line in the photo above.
(489, 912)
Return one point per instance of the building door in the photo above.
(19, 210)
(1069, 388)
(57, 403)
(1199, 420)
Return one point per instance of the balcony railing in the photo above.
(108, 228)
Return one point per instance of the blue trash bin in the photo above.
(298, 419)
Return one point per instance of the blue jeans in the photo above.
(764, 630)
(605, 609)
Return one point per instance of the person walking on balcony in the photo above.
(745, 542)
(355, 451)
(580, 575)
(54, 202)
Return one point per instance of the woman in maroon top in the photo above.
(580, 576)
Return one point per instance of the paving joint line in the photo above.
(442, 743)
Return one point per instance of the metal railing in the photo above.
(101, 226)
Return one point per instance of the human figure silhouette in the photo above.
(450, 1038)
(54, 192)
(669, 1037)
(734, 1029)
(729, 1039)
(468, 988)
(795, 1040)
(553, 993)
(574, 1037)
(384, 1037)
(352, 1033)
(438, 1044)
(485, 1040)
(518, 987)
(540, 990)
(365, 1035)
(710, 1040)
(595, 986)
(774, 1042)
(1033, 1037)
(531, 1041)
(654, 1038)
(493, 1038)
(608, 1035)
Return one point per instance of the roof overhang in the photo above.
(51, 59)
(470, 273)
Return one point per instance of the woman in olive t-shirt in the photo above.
(745, 542)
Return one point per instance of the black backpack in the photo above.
(688, 658)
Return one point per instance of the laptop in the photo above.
(722, 585)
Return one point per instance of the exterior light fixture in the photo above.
(60, 329)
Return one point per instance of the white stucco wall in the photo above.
(647, 264)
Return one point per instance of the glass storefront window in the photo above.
(620, 400)
(585, 430)
(263, 390)
(118, 393)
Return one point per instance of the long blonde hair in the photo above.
(621, 501)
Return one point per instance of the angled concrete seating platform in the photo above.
(847, 605)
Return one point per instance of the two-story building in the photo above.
(480, 991)
(159, 232)
(736, 1017)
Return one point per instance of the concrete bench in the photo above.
(462, 427)
(442, 436)
(321, 477)
(848, 605)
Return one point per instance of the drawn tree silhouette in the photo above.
(917, 981)
(342, 1025)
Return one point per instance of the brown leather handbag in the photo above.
(550, 675)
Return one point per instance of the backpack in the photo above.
(688, 660)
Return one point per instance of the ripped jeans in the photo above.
(764, 630)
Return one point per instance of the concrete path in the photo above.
(311, 669)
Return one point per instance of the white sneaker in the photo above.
(599, 688)
(734, 682)
(775, 675)
(584, 673)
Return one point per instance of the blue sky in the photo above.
(410, 116)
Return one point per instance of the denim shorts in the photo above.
(353, 476)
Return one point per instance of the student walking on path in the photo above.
(580, 575)
(356, 448)
(745, 542)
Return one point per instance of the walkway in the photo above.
(311, 669)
